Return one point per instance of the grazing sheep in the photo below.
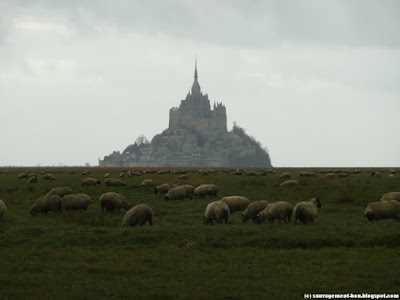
(2, 208)
(138, 215)
(114, 182)
(289, 183)
(306, 211)
(176, 193)
(237, 173)
(391, 196)
(85, 172)
(107, 175)
(253, 209)
(147, 183)
(216, 210)
(307, 174)
(389, 209)
(251, 173)
(90, 181)
(122, 174)
(45, 204)
(330, 176)
(285, 175)
(23, 175)
(189, 191)
(60, 191)
(32, 179)
(75, 202)
(113, 201)
(236, 203)
(162, 188)
(184, 176)
(48, 176)
(280, 210)
(205, 190)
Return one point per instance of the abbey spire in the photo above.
(196, 86)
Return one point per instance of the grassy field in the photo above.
(88, 255)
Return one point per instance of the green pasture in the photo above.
(88, 255)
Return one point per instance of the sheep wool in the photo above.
(114, 182)
(280, 210)
(389, 209)
(391, 196)
(147, 183)
(60, 191)
(45, 204)
(236, 203)
(216, 210)
(253, 209)
(162, 188)
(138, 215)
(306, 211)
(113, 201)
(176, 193)
(75, 202)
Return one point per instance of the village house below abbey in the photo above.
(197, 136)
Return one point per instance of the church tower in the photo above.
(195, 112)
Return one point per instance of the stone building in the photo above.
(195, 112)
(197, 136)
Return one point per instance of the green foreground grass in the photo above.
(87, 254)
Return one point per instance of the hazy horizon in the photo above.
(317, 83)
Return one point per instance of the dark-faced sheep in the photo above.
(162, 188)
(114, 182)
(253, 209)
(391, 196)
(75, 202)
(236, 203)
(147, 183)
(113, 201)
(45, 204)
(280, 210)
(204, 190)
(60, 191)
(176, 193)
(2, 208)
(306, 211)
(107, 175)
(389, 209)
(216, 210)
(90, 181)
(138, 215)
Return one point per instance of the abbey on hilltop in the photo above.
(197, 136)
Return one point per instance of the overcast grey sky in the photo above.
(317, 82)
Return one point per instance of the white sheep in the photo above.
(389, 209)
(280, 210)
(306, 211)
(113, 201)
(176, 193)
(391, 196)
(236, 203)
(138, 215)
(216, 210)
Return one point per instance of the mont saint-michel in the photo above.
(197, 136)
